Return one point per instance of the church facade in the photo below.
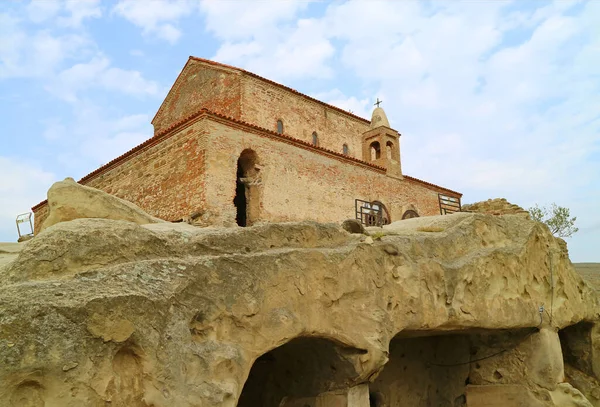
(231, 147)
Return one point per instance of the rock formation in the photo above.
(439, 311)
(497, 206)
(68, 200)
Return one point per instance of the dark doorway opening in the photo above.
(246, 198)
(240, 197)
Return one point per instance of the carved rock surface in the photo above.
(94, 311)
(69, 200)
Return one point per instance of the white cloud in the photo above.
(297, 49)
(158, 17)
(36, 53)
(40, 11)
(66, 13)
(97, 135)
(79, 10)
(99, 73)
(335, 97)
(22, 185)
(238, 20)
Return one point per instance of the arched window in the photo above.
(389, 150)
(375, 150)
(279, 127)
(315, 138)
(345, 149)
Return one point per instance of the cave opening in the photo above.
(298, 373)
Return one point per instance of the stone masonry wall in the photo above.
(298, 184)
(195, 170)
(264, 103)
(166, 180)
(200, 85)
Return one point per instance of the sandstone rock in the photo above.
(497, 206)
(353, 226)
(69, 200)
(98, 311)
(9, 252)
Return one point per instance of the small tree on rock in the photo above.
(557, 218)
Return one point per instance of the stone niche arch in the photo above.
(247, 191)
(298, 372)
(375, 150)
(391, 151)
(409, 214)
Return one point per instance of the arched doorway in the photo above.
(246, 198)
(298, 371)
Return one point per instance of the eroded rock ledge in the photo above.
(95, 311)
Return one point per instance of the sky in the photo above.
(492, 98)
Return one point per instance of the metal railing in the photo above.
(448, 204)
(368, 213)
(21, 219)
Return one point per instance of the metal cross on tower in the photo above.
(378, 102)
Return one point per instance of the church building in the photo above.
(231, 147)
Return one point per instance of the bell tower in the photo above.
(381, 143)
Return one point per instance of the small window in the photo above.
(315, 139)
(375, 151)
(389, 150)
(279, 127)
(345, 149)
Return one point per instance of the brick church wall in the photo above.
(264, 103)
(195, 170)
(165, 179)
(299, 184)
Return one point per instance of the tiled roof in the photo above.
(408, 177)
(208, 61)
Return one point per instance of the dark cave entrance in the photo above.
(578, 348)
(297, 372)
